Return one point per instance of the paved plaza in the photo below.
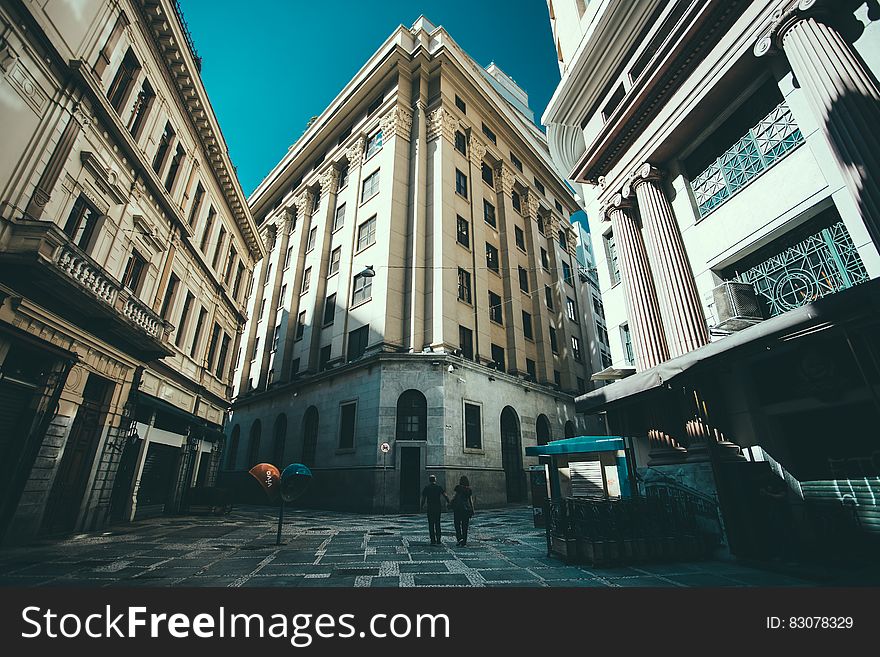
(322, 548)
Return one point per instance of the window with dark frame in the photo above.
(460, 104)
(473, 428)
(464, 285)
(218, 248)
(374, 144)
(527, 326)
(362, 290)
(324, 357)
(196, 204)
(330, 309)
(370, 186)
(170, 293)
(357, 342)
(366, 233)
(174, 168)
(339, 217)
(335, 257)
(548, 296)
(82, 222)
(557, 378)
(466, 342)
(306, 280)
(313, 238)
(347, 418)
(122, 81)
(461, 183)
(142, 105)
(184, 317)
(539, 186)
(516, 201)
(498, 358)
(463, 231)
(489, 134)
(545, 259)
(133, 276)
(523, 279)
(492, 260)
(487, 174)
(531, 369)
(566, 273)
(554, 343)
(519, 237)
(460, 142)
(206, 233)
(576, 347)
(496, 313)
(570, 310)
(300, 326)
(162, 149)
(489, 213)
(516, 162)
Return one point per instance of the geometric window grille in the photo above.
(823, 263)
(774, 137)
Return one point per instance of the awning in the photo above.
(578, 445)
(846, 306)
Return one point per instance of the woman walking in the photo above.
(463, 508)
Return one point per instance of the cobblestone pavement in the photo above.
(323, 548)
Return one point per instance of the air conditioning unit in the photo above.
(736, 306)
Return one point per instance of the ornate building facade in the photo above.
(725, 154)
(126, 247)
(421, 289)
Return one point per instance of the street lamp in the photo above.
(368, 272)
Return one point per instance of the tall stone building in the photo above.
(126, 246)
(421, 288)
(727, 156)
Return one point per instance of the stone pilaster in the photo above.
(840, 91)
(680, 307)
(643, 309)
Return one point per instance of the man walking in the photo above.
(432, 494)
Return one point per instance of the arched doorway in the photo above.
(542, 430)
(232, 453)
(310, 436)
(253, 453)
(511, 455)
(570, 431)
(412, 416)
(279, 441)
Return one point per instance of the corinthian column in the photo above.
(642, 308)
(680, 307)
(839, 90)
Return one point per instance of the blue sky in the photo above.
(273, 64)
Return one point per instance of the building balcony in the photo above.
(42, 264)
(772, 139)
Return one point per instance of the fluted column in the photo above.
(642, 308)
(683, 320)
(840, 91)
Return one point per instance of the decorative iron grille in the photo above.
(823, 263)
(769, 141)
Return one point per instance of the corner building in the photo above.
(421, 289)
(126, 245)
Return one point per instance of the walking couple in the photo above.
(462, 505)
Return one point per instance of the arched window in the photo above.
(253, 453)
(570, 431)
(412, 416)
(280, 440)
(511, 455)
(232, 453)
(310, 436)
(542, 430)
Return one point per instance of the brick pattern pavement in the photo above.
(322, 548)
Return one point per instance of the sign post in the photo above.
(385, 447)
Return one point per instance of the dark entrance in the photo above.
(125, 473)
(511, 455)
(157, 479)
(72, 477)
(410, 461)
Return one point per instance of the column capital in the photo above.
(441, 123)
(504, 179)
(304, 202)
(397, 122)
(355, 152)
(329, 180)
(615, 202)
(532, 203)
(645, 173)
(783, 19)
(476, 150)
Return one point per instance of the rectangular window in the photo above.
(460, 142)
(461, 183)
(557, 378)
(363, 286)
(523, 279)
(548, 296)
(221, 358)
(184, 316)
(531, 369)
(357, 342)
(492, 257)
(281, 296)
(256, 350)
(576, 347)
(174, 169)
(339, 218)
(516, 161)
(527, 326)
(463, 231)
(324, 357)
(196, 204)
(539, 186)
(602, 334)
(343, 178)
(170, 292)
(611, 254)
(313, 237)
(366, 233)
(495, 311)
(466, 342)
(563, 240)
(487, 174)
(275, 335)
(212, 346)
(554, 343)
(473, 427)
(218, 248)
(570, 310)
(498, 357)
(122, 81)
(206, 233)
(81, 223)
(598, 308)
(626, 340)
(268, 280)
(464, 285)
(489, 213)
(162, 149)
(459, 103)
(316, 205)
(370, 186)
(335, 257)
(230, 264)
(294, 366)
(288, 257)
(374, 144)
(197, 336)
(566, 273)
(545, 260)
(307, 280)
(558, 206)
(262, 310)
(347, 416)
(300, 326)
(142, 106)
(540, 222)
(329, 309)
(134, 272)
(489, 134)
(520, 237)
(516, 201)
